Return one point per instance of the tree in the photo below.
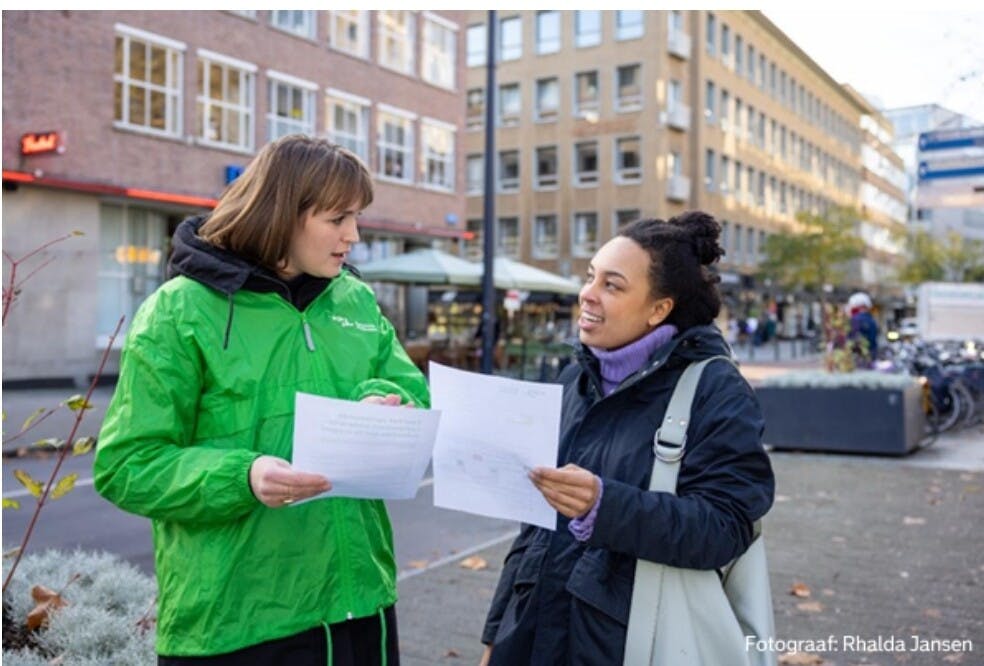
(815, 254)
(812, 257)
(953, 258)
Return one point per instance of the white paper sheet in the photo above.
(493, 430)
(365, 450)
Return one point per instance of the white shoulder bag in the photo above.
(690, 617)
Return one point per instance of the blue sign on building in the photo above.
(959, 168)
(967, 137)
(232, 172)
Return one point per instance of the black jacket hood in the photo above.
(211, 265)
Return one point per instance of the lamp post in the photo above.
(488, 224)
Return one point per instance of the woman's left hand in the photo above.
(572, 490)
(391, 399)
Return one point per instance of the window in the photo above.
(625, 217)
(761, 74)
(547, 32)
(750, 244)
(750, 186)
(710, 99)
(725, 109)
(508, 170)
(761, 244)
(545, 237)
(710, 40)
(510, 38)
(131, 262)
(437, 154)
(225, 101)
(739, 54)
(396, 40)
(476, 40)
(628, 161)
(348, 31)
(475, 108)
(750, 71)
(772, 79)
(586, 99)
(440, 47)
(725, 184)
(737, 239)
(547, 99)
(348, 122)
(760, 191)
(245, 13)
(674, 94)
(475, 174)
(584, 236)
(726, 44)
(739, 122)
(628, 24)
(674, 164)
(394, 142)
(628, 92)
(291, 107)
(507, 236)
(736, 181)
(750, 123)
(709, 166)
(725, 236)
(147, 82)
(546, 167)
(675, 22)
(586, 163)
(587, 28)
(299, 22)
(509, 104)
(474, 247)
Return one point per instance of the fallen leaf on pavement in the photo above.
(827, 592)
(451, 654)
(810, 607)
(47, 601)
(417, 564)
(475, 563)
(800, 659)
(799, 590)
(933, 613)
(913, 520)
(956, 658)
(781, 498)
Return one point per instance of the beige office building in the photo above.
(603, 117)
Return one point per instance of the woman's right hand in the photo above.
(275, 483)
(484, 661)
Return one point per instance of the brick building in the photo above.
(119, 124)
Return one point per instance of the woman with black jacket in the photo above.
(647, 312)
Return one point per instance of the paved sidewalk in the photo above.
(887, 549)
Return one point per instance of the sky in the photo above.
(896, 57)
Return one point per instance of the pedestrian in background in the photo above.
(647, 312)
(198, 435)
(863, 328)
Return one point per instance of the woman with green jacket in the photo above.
(198, 435)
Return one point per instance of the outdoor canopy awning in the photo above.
(430, 266)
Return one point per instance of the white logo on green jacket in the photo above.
(345, 322)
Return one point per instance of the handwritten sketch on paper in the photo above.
(365, 450)
(493, 430)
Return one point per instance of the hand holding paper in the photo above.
(367, 449)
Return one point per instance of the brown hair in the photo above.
(258, 213)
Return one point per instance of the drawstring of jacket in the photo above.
(331, 652)
(382, 639)
(225, 341)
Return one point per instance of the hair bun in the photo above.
(704, 232)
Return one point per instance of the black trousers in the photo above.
(354, 643)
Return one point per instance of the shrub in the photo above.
(105, 621)
(866, 379)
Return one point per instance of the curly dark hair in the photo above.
(680, 250)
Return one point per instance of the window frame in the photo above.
(407, 36)
(536, 250)
(578, 247)
(579, 110)
(553, 181)
(173, 88)
(309, 29)
(586, 40)
(247, 110)
(627, 31)
(407, 149)
(538, 115)
(627, 175)
(361, 23)
(438, 55)
(512, 184)
(543, 47)
(584, 179)
(430, 125)
(361, 107)
(629, 103)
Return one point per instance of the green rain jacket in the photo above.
(207, 383)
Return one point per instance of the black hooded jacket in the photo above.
(560, 601)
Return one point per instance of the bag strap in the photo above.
(669, 443)
(670, 439)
